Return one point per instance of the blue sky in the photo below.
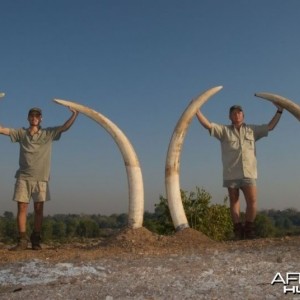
(140, 63)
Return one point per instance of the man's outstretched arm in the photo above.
(70, 121)
(203, 120)
(272, 124)
(4, 130)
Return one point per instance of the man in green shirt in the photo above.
(34, 171)
(239, 163)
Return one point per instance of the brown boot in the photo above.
(250, 231)
(35, 239)
(22, 244)
(238, 230)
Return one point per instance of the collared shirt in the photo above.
(238, 149)
(35, 152)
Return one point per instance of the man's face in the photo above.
(236, 116)
(34, 119)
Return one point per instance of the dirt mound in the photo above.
(192, 237)
(141, 240)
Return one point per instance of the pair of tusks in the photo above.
(172, 167)
(173, 157)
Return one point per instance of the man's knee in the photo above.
(22, 207)
(233, 195)
(39, 207)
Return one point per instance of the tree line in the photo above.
(211, 219)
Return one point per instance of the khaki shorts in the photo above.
(27, 189)
(238, 183)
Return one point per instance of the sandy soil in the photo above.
(137, 264)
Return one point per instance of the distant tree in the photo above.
(9, 228)
(264, 226)
(104, 222)
(2, 225)
(47, 228)
(286, 222)
(87, 228)
(8, 215)
(151, 222)
(71, 225)
(59, 229)
(122, 220)
(163, 223)
(108, 221)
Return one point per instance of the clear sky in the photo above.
(140, 63)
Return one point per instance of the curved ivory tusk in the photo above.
(289, 105)
(134, 173)
(172, 167)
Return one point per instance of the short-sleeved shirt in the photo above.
(238, 149)
(35, 152)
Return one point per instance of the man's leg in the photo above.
(22, 216)
(234, 194)
(40, 194)
(250, 193)
(21, 223)
(35, 237)
(38, 216)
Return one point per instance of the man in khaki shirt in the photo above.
(239, 163)
(34, 171)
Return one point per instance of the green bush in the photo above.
(212, 220)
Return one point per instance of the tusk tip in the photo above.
(59, 101)
(56, 101)
(260, 95)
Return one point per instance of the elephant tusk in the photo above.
(133, 170)
(285, 103)
(172, 167)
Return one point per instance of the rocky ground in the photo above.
(137, 264)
